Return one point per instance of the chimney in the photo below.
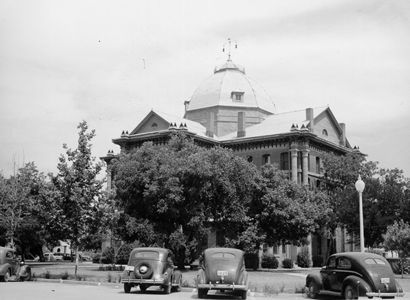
(309, 117)
(343, 137)
(186, 104)
(211, 125)
(241, 124)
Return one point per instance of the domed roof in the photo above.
(229, 86)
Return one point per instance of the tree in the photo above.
(175, 191)
(397, 238)
(286, 211)
(385, 197)
(79, 190)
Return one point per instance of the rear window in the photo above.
(147, 254)
(223, 255)
(374, 261)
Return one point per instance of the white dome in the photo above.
(222, 87)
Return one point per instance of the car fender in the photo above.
(176, 277)
(316, 278)
(4, 268)
(356, 281)
(200, 278)
(243, 278)
(25, 271)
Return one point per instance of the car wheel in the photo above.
(127, 288)
(312, 290)
(202, 293)
(177, 288)
(350, 293)
(167, 288)
(6, 276)
(143, 288)
(244, 294)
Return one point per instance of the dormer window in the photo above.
(324, 132)
(237, 96)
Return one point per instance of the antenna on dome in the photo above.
(227, 47)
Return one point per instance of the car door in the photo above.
(327, 273)
(343, 269)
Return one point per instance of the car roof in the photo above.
(157, 249)
(357, 255)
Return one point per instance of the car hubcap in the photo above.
(143, 269)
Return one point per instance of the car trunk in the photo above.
(383, 280)
(222, 271)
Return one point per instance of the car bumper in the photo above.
(221, 286)
(143, 281)
(373, 294)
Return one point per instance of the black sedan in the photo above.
(222, 269)
(352, 275)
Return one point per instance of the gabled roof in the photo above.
(191, 126)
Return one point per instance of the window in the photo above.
(237, 96)
(154, 125)
(318, 165)
(223, 255)
(344, 263)
(332, 262)
(266, 159)
(284, 161)
(324, 132)
(250, 158)
(147, 254)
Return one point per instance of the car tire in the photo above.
(127, 288)
(143, 288)
(244, 294)
(167, 288)
(178, 276)
(312, 290)
(350, 293)
(6, 276)
(145, 275)
(202, 293)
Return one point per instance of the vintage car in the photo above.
(352, 275)
(222, 269)
(11, 268)
(151, 267)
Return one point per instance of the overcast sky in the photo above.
(111, 62)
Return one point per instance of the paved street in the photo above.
(60, 291)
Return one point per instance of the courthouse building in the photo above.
(230, 110)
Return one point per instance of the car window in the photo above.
(147, 254)
(332, 262)
(223, 255)
(374, 261)
(344, 263)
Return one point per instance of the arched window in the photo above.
(250, 158)
(154, 125)
(324, 132)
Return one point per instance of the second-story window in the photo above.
(266, 159)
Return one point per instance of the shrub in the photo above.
(287, 263)
(251, 261)
(270, 262)
(47, 275)
(64, 276)
(303, 258)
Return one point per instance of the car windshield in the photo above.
(374, 261)
(223, 255)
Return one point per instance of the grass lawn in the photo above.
(276, 282)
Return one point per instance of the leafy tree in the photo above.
(79, 190)
(397, 238)
(173, 192)
(385, 197)
(286, 211)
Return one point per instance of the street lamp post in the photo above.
(360, 187)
